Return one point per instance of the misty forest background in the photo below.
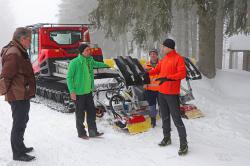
(132, 27)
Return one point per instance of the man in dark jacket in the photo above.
(171, 70)
(18, 79)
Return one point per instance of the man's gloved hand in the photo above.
(144, 74)
(148, 69)
(162, 80)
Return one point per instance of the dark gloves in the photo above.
(162, 80)
(144, 74)
(148, 69)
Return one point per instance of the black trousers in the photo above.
(85, 103)
(20, 114)
(170, 105)
(151, 97)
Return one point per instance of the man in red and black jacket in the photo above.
(171, 70)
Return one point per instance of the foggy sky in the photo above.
(15, 13)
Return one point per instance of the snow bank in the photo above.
(239, 42)
(231, 83)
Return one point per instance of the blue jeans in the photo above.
(152, 98)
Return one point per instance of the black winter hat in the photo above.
(169, 43)
(82, 47)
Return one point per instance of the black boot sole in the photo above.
(28, 150)
(166, 144)
(97, 136)
(184, 152)
(25, 159)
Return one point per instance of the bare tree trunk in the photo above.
(117, 48)
(194, 31)
(246, 54)
(207, 44)
(139, 52)
(178, 26)
(246, 61)
(248, 16)
(123, 45)
(182, 30)
(186, 31)
(219, 35)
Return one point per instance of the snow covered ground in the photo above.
(221, 138)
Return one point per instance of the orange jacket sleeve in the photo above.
(156, 70)
(181, 71)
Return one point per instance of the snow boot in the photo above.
(24, 157)
(84, 137)
(153, 122)
(166, 141)
(183, 149)
(28, 150)
(98, 134)
(93, 133)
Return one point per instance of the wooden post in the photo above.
(246, 61)
(235, 60)
(230, 60)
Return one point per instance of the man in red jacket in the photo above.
(171, 70)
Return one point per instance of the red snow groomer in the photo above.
(52, 42)
(53, 45)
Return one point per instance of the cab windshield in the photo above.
(66, 37)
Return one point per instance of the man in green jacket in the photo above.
(80, 81)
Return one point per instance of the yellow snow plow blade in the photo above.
(139, 127)
(190, 111)
(143, 61)
(196, 113)
(109, 62)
